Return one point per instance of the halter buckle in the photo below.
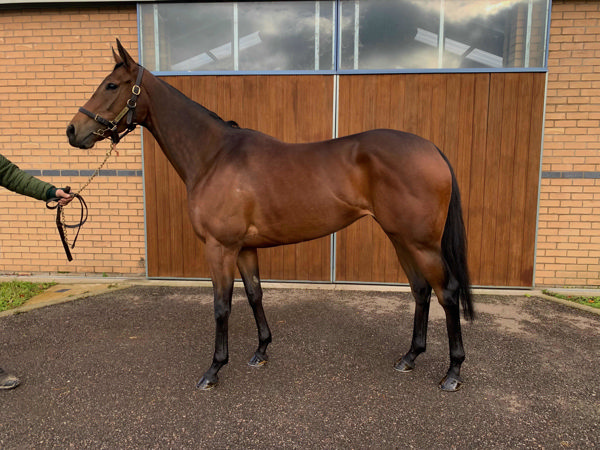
(136, 90)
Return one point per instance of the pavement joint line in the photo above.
(75, 288)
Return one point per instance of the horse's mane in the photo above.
(231, 123)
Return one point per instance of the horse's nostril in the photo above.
(71, 130)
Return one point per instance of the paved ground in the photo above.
(118, 370)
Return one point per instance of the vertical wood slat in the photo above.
(291, 108)
(474, 209)
(486, 265)
(152, 258)
(508, 155)
(490, 129)
(519, 181)
(532, 175)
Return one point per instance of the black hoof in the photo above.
(404, 366)
(206, 385)
(258, 361)
(450, 384)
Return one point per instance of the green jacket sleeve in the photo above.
(16, 180)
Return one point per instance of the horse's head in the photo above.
(112, 108)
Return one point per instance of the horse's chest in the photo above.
(219, 217)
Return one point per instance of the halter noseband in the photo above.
(128, 110)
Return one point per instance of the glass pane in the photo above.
(286, 35)
(191, 36)
(494, 34)
(384, 34)
(271, 36)
(405, 34)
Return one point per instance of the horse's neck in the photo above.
(187, 134)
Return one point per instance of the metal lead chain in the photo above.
(97, 171)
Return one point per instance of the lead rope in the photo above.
(61, 222)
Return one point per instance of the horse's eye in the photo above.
(111, 86)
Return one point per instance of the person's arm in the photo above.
(19, 181)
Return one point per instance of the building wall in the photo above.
(568, 244)
(53, 59)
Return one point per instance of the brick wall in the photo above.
(568, 248)
(53, 59)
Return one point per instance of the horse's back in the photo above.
(353, 168)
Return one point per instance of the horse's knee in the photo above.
(254, 295)
(253, 289)
(222, 312)
(421, 291)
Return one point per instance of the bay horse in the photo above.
(247, 190)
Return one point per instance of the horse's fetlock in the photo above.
(457, 358)
(419, 348)
(220, 360)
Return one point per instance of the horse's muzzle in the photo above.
(86, 143)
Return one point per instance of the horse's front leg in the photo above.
(248, 266)
(222, 266)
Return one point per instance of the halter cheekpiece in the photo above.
(128, 110)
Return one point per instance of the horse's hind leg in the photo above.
(449, 299)
(248, 266)
(425, 268)
(421, 291)
(446, 289)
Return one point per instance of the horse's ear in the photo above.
(125, 57)
(117, 57)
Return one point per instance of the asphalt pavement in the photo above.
(118, 369)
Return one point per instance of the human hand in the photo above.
(64, 197)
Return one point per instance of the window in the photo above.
(238, 36)
(446, 34)
(344, 35)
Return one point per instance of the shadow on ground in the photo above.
(119, 370)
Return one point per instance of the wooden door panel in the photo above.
(291, 108)
(489, 126)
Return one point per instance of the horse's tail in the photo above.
(454, 248)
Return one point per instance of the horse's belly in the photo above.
(300, 224)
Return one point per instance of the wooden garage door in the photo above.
(291, 108)
(490, 127)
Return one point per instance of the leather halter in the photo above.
(128, 110)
